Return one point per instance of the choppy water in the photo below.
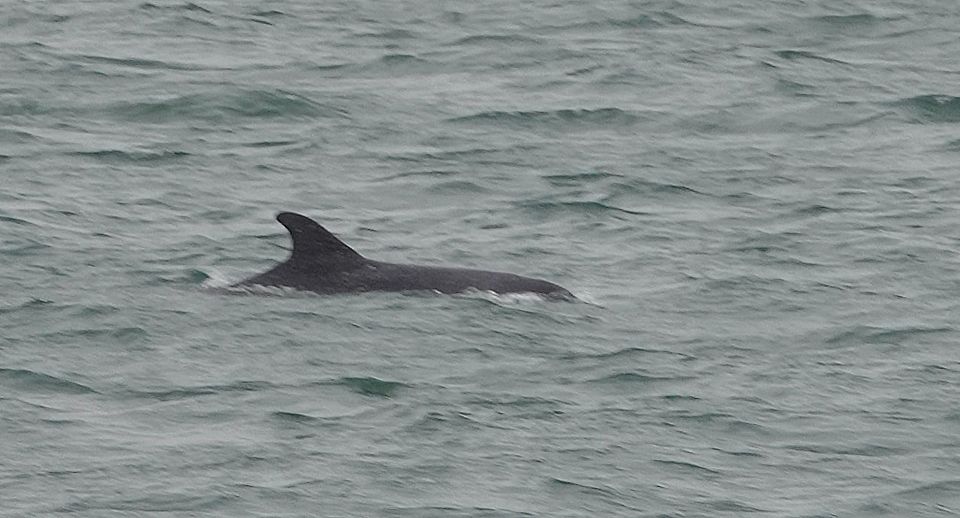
(758, 201)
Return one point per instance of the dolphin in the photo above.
(321, 263)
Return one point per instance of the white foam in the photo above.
(216, 279)
(505, 298)
(276, 291)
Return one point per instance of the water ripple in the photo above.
(248, 103)
(931, 108)
(31, 381)
(370, 386)
(565, 118)
(178, 393)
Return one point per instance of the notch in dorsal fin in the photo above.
(313, 244)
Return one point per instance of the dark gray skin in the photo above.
(322, 263)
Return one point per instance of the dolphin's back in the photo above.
(404, 277)
(321, 263)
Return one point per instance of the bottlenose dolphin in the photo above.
(322, 263)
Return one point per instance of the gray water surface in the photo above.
(757, 204)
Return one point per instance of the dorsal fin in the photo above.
(313, 244)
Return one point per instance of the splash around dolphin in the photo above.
(321, 263)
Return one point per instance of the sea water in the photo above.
(757, 204)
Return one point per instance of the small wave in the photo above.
(26, 250)
(119, 156)
(931, 108)
(396, 63)
(637, 378)
(202, 390)
(122, 334)
(28, 380)
(933, 491)
(727, 506)
(650, 187)
(447, 510)
(87, 312)
(401, 59)
(678, 397)
(433, 421)
(190, 6)
(584, 71)
(517, 401)
(643, 22)
(502, 155)
(255, 19)
(30, 304)
(577, 179)
(605, 117)
(622, 354)
(370, 386)
(249, 103)
(293, 417)
(878, 335)
(814, 210)
(803, 54)
(269, 13)
(16, 136)
(688, 466)
(192, 276)
(739, 453)
(632, 22)
(582, 487)
(953, 145)
(28, 17)
(271, 143)
(21, 106)
(859, 20)
(391, 34)
(434, 173)
(860, 451)
(174, 394)
(166, 503)
(17, 221)
(577, 207)
(457, 187)
(498, 39)
(138, 63)
(126, 335)
(185, 6)
(795, 88)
